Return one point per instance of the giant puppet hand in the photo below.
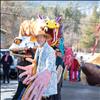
(38, 86)
(28, 71)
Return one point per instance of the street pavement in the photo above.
(70, 91)
(78, 91)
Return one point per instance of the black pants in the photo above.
(21, 86)
(56, 96)
(6, 70)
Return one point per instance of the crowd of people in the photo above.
(74, 69)
(51, 65)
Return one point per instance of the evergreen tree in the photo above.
(88, 38)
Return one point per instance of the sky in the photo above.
(62, 3)
(84, 6)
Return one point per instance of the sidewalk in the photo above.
(8, 90)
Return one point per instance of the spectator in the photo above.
(81, 65)
(6, 62)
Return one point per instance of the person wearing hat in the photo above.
(44, 82)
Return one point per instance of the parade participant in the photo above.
(60, 70)
(74, 68)
(68, 60)
(6, 61)
(45, 80)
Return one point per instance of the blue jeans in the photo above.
(79, 75)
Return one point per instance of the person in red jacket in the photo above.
(74, 68)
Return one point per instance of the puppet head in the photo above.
(53, 27)
(27, 32)
(30, 28)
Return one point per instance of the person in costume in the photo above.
(60, 70)
(45, 79)
(49, 26)
(68, 60)
(74, 68)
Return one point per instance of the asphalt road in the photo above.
(70, 91)
(77, 91)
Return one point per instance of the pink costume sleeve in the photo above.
(38, 87)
